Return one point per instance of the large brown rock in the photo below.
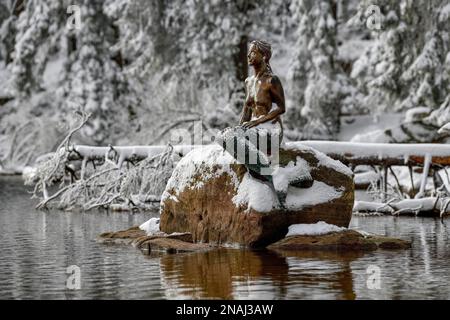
(137, 236)
(348, 240)
(215, 199)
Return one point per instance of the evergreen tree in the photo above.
(403, 69)
(316, 88)
(38, 30)
(94, 80)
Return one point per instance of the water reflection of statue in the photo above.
(236, 273)
(224, 274)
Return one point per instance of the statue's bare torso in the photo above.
(264, 101)
(260, 96)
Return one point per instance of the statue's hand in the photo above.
(250, 124)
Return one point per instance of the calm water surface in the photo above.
(36, 247)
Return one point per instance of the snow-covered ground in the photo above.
(351, 126)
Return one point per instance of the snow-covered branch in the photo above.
(430, 205)
(382, 153)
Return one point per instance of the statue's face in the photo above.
(254, 56)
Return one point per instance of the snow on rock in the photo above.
(313, 229)
(320, 192)
(151, 226)
(282, 176)
(259, 195)
(255, 195)
(324, 160)
(205, 156)
(215, 198)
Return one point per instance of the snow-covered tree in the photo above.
(403, 69)
(315, 85)
(38, 29)
(93, 77)
(193, 55)
(213, 44)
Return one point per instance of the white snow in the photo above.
(204, 160)
(313, 229)
(423, 183)
(392, 150)
(324, 160)
(417, 113)
(352, 49)
(352, 126)
(151, 226)
(375, 136)
(319, 192)
(5, 76)
(282, 176)
(261, 197)
(128, 151)
(366, 177)
(412, 205)
(445, 128)
(444, 14)
(255, 194)
(53, 70)
(29, 173)
(366, 206)
(403, 206)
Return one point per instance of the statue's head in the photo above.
(258, 52)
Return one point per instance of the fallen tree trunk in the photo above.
(392, 154)
(428, 206)
(347, 152)
(124, 153)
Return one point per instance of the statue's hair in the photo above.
(266, 50)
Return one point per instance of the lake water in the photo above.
(36, 248)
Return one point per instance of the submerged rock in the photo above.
(346, 240)
(170, 245)
(215, 199)
(138, 237)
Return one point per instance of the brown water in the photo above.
(36, 247)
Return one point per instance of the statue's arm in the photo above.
(246, 111)
(246, 114)
(277, 94)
